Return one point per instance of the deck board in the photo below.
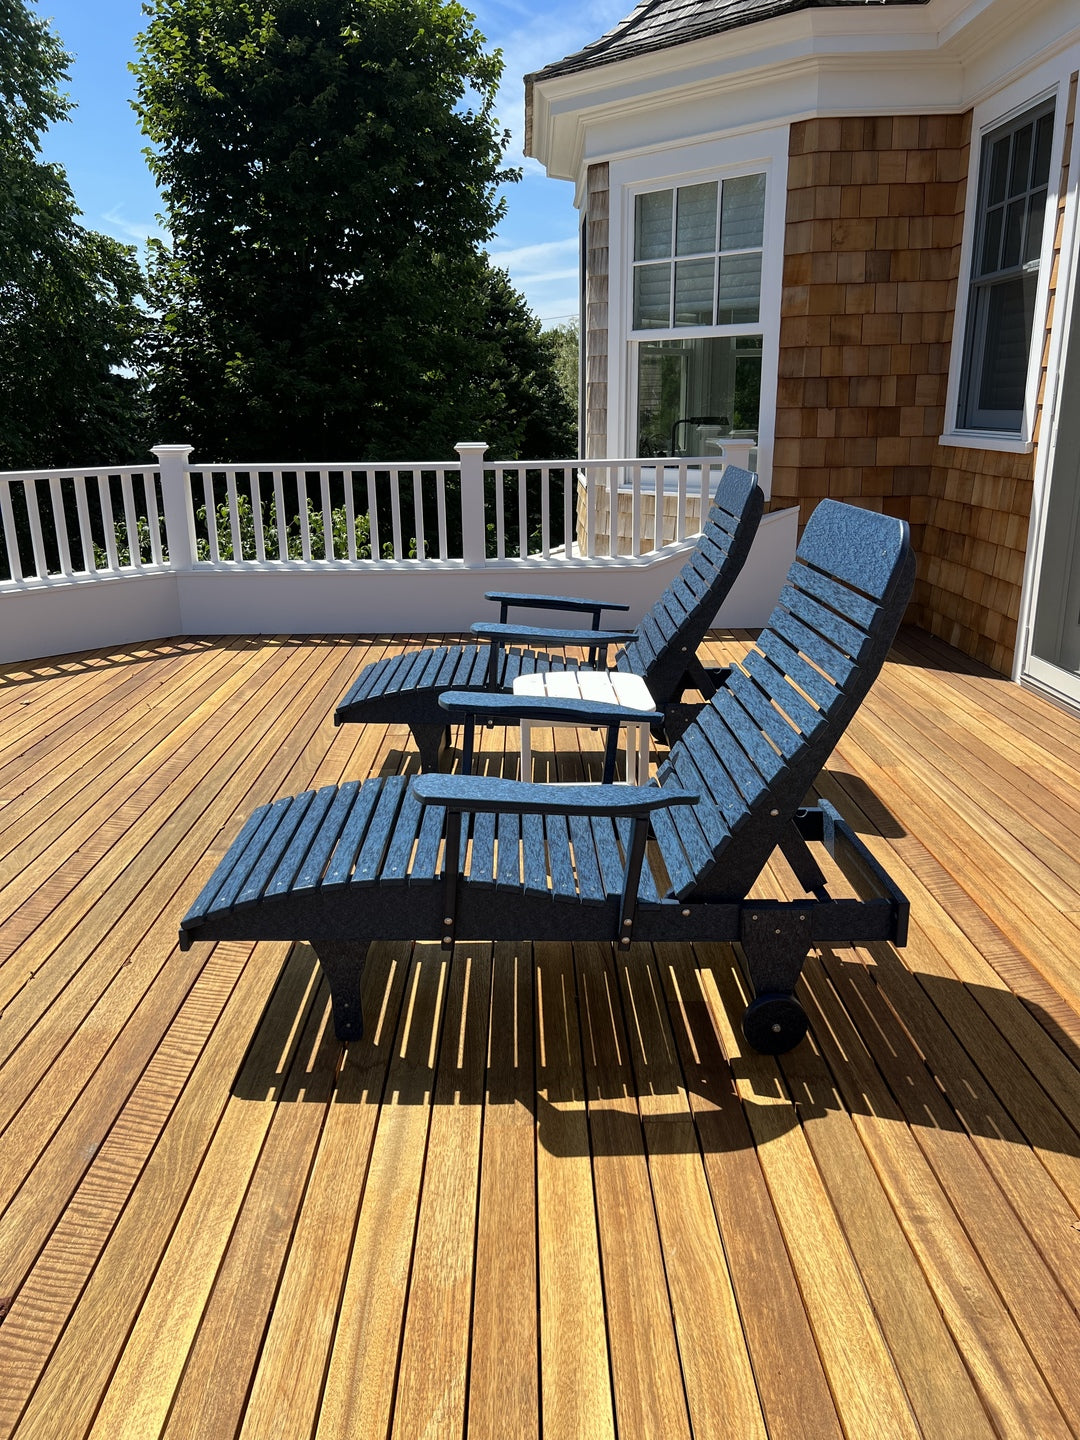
(551, 1193)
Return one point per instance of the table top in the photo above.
(604, 685)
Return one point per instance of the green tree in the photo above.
(70, 320)
(330, 171)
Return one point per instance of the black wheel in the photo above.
(774, 1023)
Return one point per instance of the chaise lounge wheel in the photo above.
(774, 1023)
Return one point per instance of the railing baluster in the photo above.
(207, 482)
(60, 525)
(545, 512)
(153, 516)
(11, 534)
(613, 475)
(635, 510)
(108, 521)
(440, 504)
(523, 515)
(680, 505)
(500, 512)
(302, 506)
(418, 513)
(395, 511)
(131, 521)
(86, 536)
(591, 481)
(234, 515)
(373, 516)
(327, 514)
(568, 511)
(348, 480)
(255, 495)
(37, 539)
(281, 523)
(706, 496)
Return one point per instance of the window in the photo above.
(697, 264)
(1014, 172)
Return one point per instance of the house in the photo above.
(848, 232)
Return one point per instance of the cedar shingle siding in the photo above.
(872, 253)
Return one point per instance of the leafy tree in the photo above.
(70, 320)
(330, 170)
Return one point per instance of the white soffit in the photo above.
(850, 60)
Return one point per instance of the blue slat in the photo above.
(838, 597)
(827, 623)
(482, 864)
(260, 873)
(747, 713)
(284, 877)
(719, 786)
(352, 836)
(588, 872)
(557, 833)
(432, 826)
(395, 866)
(716, 724)
(312, 869)
(820, 690)
(780, 689)
(534, 864)
(509, 866)
(835, 664)
(606, 841)
(369, 860)
(682, 875)
(863, 548)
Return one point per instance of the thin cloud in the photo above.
(134, 232)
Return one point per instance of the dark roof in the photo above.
(659, 24)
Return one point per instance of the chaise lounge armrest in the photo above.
(499, 634)
(507, 598)
(476, 793)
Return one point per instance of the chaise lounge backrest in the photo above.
(756, 748)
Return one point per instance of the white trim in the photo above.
(1066, 301)
(986, 440)
(1047, 82)
(943, 57)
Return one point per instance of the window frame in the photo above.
(764, 152)
(1020, 102)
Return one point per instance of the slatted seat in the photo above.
(405, 689)
(501, 859)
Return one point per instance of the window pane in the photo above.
(999, 169)
(695, 225)
(1036, 213)
(1021, 160)
(1014, 231)
(1044, 134)
(1009, 308)
(991, 251)
(652, 297)
(693, 393)
(652, 226)
(742, 213)
(694, 292)
(739, 292)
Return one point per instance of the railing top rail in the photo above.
(84, 472)
(314, 467)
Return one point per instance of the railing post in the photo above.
(473, 525)
(175, 492)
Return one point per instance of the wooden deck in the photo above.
(549, 1194)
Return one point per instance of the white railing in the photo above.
(69, 527)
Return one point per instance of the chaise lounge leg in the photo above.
(431, 741)
(343, 964)
(775, 941)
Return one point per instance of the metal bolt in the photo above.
(447, 939)
(774, 812)
(802, 917)
(753, 917)
(777, 930)
(627, 924)
(686, 914)
(448, 919)
(776, 1029)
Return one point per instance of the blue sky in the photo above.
(101, 146)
